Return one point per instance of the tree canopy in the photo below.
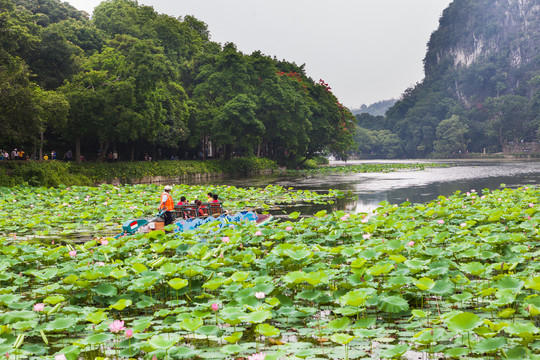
(138, 81)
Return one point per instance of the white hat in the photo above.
(168, 188)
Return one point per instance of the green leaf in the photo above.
(393, 304)
(463, 322)
(339, 324)
(177, 283)
(267, 330)
(121, 304)
(342, 339)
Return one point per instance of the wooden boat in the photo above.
(186, 217)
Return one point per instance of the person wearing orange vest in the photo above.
(167, 205)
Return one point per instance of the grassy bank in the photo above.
(54, 173)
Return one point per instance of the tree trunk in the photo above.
(103, 147)
(78, 149)
(41, 141)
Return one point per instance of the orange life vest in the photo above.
(168, 205)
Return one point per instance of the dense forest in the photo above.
(139, 82)
(481, 91)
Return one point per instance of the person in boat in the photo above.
(215, 198)
(210, 197)
(201, 210)
(182, 201)
(167, 205)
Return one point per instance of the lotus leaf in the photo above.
(463, 322)
(191, 324)
(177, 283)
(267, 330)
(489, 345)
(60, 324)
(121, 304)
(164, 341)
(342, 339)
(393, 304)
(257, 317)
(339, 324)
(395, 351)
(54, 299)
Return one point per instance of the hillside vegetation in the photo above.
(481, 91)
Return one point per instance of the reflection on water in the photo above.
(416, 186)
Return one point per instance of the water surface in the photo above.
(417, 186)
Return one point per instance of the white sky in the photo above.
(366, 50)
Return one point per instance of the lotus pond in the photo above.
(452, 278)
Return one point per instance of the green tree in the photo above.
(510, 119)
(451, 136)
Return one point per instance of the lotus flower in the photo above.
(215, 307)
(129, 333)
(39, 307)
(258, 356)
(258, 233)
(410, 243)
(116, 326)
(104, 242)
(72, 253)
(225, 239)
(60, 357)
(260, 295)
(441, 221)
(531, 205)
(288, 228)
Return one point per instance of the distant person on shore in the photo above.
(53, 155)
(45, 157)
(115, 156)
(167, 205)
(68, 156)
(14, 154)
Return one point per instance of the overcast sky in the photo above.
(366, 50)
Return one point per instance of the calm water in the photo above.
(416, 186)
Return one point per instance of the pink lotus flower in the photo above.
(410, 243)
(463, 224)
(288, 228)
(215, 307)
(531, 205)
(260, 295)
(60, 357)
(258, 233)
(259, 356)
(344, 218)
(366, 236)
(364, 220)
(116, 326)
(440, 221)
(31, 205)
(72, 253)
(39, 307)
(225, 239)
(129, 333)
(104, 242)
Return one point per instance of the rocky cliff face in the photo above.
(502, 35)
